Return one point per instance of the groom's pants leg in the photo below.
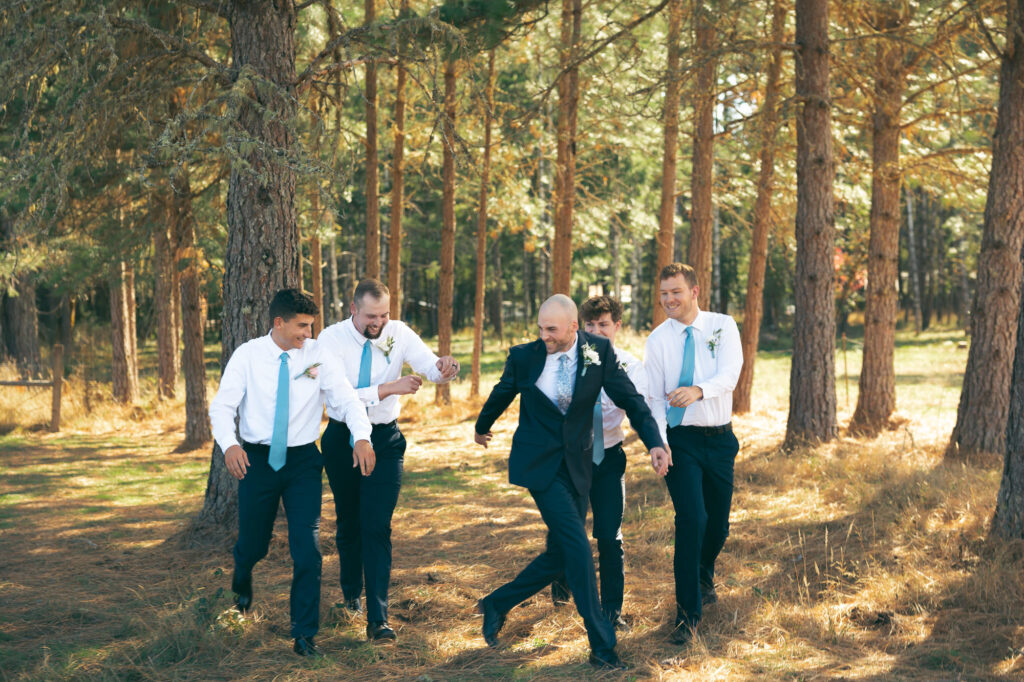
(607, 501)
(568, 550)
(365, 506)
(720, 451)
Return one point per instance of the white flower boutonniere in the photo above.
(310, 372)
(623, 367)
(715, 341)
(386, 346)
(590, 357)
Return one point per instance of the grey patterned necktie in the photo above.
(563, 387)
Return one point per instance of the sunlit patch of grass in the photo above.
(863, 558)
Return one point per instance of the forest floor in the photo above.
(860, 559)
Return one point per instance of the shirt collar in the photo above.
(356, 334)
(698, 323)
(571, 352)
(276, 350)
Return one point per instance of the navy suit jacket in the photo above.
(545, 436)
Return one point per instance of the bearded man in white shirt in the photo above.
(693, 361)
(373, 349)
(277, 385)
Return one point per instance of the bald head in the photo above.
(559, 304)
(558, 322)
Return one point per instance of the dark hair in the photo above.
(372, 286)
(288, 303)
(673, 269)
(596, 306)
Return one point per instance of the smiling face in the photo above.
(679, 299)
(289, 334)
(603, 326)
(370, 315)
(557, 329)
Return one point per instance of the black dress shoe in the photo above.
(708, 595)
(242, 587)
(560, 593)
(615, 618)
(304, 646)
(354, 605)
(608, 661)
(493, 620)
(380, 632)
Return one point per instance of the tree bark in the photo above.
(331, 290)
(22, 326)
(753, 308)
(397, 186)
(812, 394)
(263, 238)
(442, 395)
(124, 369)
(565, 163)
(981, 420)
(667, 211)
(912, 260)
(481, 234)
(193, 365)
(699, 253)
(372, 192)
(876, 399)
(165, 289)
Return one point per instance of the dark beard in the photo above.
(367, 334)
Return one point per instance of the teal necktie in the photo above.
(675, 414)
(598, 433)
(279, 441)
(365, 363)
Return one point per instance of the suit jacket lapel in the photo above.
(537, 360)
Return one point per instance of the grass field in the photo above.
(861, 559)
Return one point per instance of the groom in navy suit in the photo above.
(559, 379)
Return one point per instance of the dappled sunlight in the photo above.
(859, 559)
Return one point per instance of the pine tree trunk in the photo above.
(613, 248)
(699, 253)
(124, 369)
(372, 192)
(667, 211)
(565, 164)
(481, 234)
(812, 390)
(397, 187)
(754, 305)
(22, 326)
(981, 420)
(331, 290)
(164, 295)
(876, 399)
(263, 238)
(912, 261)
(183, 235)
(442, 395)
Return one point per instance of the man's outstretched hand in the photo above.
(363, 457)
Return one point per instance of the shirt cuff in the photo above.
(709, 390)
(361, 432)
(226, 443)
(369, 395)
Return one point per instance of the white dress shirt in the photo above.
(249, 389)
(611, 414)
(715, 371)
(344, 342)
(547, 382)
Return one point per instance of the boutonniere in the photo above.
(386, 346)
(590, 357)
(715, 341)
(311, 372)
(623, 367)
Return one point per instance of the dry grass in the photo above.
(862, 559)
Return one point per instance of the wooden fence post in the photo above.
(58, 383)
